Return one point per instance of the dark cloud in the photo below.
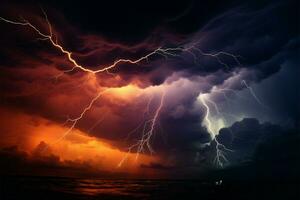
(247, 136)
(263, 39)
(275, 160)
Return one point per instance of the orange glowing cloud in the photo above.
(29, 132)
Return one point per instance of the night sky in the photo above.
(215, 86)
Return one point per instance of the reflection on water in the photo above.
(115, 187)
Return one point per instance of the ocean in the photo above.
(54, 188)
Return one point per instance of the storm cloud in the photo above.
(231, 59)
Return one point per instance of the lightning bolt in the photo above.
(75, 120)
(50, 37)
(159, 51)
(221, 150)
(148, 130)
(217, 56)
(145, 113)
(206, 117)
(97, 123)
(253, 93)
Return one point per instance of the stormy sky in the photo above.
(221, 81)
